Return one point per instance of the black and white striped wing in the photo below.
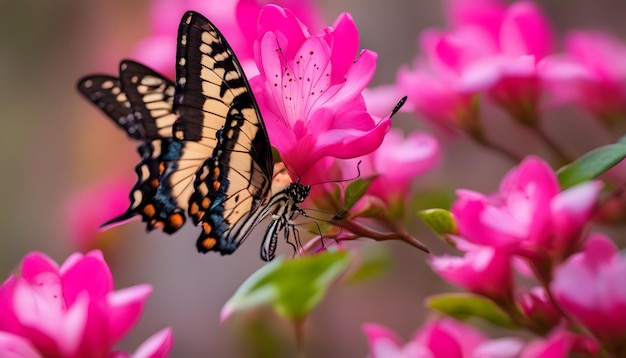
(217, 110)
(140, 101)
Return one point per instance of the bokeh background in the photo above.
(54, 145)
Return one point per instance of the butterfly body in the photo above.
(205, 152)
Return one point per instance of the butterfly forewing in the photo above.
(106, 93)
(151, 98)
(215, 106)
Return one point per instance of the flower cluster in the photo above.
(450, 338)
(71, 310)
(489, 49)
(534, 228)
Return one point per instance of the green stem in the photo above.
(299, 333)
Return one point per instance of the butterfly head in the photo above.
(298, 192)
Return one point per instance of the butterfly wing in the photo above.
(140, 101)
(217, 109)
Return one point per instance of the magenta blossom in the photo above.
(591, 73)
(395, 163)
(309, 90)
(536, 304)
(471, 270)
(72, 310)
(590, 286)
(560, 344)
(443, 338)
(530, 215)
(489, 49)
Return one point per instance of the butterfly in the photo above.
(205, 152)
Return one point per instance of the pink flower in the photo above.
(590, 286)
(484, 270)
(396, 163)
(529, 214)
(443, 338)
(72, 310)
(236, 19)
(591, 73)
(87, 210)
(309, 90)
(437, 98)
(560, 344)
(536, 304)
(489, 50)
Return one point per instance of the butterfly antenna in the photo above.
(395, 109)
(398, 106)
(358, 175)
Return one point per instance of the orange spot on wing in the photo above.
(206, 202)
(194, 209)
(149, 210)
(176, 220)
(208, 243)
(206, 227)
(216, 185)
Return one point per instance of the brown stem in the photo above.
(505, 152)
(563, 154)
(364, 231)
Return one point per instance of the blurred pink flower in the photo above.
(236, 19)
(72, 310)
(87, 210)
(529, 214)
(490, 49)
(309, 90)
(590, 286)
(396, 163)
(591, 73)
(536, 304)
(471, 270)
(441, 338)
(560, 344)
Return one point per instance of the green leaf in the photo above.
(356, 190)
(592, 164)
(464, 305)
(440, 221)
(292, 287)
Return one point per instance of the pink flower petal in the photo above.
(125, 309)
(345, 37)
(158, 345)
(525, 31)
(14, 346)
(90, 273)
